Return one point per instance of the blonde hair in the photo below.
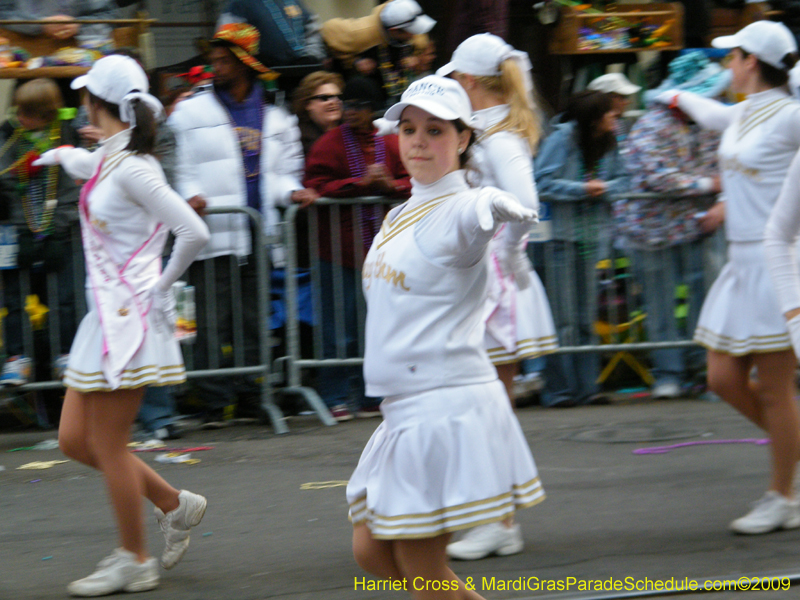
(309, 85)
(39, 98)
(521, 118)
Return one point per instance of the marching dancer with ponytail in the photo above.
(126, 341)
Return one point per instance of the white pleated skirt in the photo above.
(443, 460)
(157, 362)
(741, 314)
(531, 317)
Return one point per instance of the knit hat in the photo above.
(243, 41)
(693, 72)
(363, 89)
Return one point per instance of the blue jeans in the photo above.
(573, 297)
(660, 272)
(341, 385)
(158, 408)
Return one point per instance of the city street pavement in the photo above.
(274, 529)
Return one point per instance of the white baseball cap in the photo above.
(767, 40)
(440, 96)
(112, 78)
(406, 15)
(480, 55)
(120, 80)
(613, 83)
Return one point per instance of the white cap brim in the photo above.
(422, 24)
(627, 90)
(445, 70)
(435, 108)
(726, 41)
(79, 82)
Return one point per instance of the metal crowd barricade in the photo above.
(53, 316)
(268, 379)
(596, 296)
(705, 258)
(295, 358)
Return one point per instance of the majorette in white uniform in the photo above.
(127, 209)
(741, 314)
(519, 323)
(780, 241)
(450, 453)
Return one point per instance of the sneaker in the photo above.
(666, 391)
(59, 366)
(480, 542)
(16, 371)
(120, 572)
(527, 384)
(176, 525)
(369, 412)
(771, 512)
(341, 412)
(168, 432)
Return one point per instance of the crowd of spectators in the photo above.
(230, 142)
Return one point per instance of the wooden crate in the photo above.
(565, 37)
(727, 21)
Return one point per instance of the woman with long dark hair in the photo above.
(579, 169)
(127, 340)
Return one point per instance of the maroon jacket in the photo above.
(328, 172)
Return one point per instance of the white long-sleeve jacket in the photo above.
(209, 164)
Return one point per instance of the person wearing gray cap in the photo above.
(621, 91)
(742, 322)
(616, 84)
(450, 453)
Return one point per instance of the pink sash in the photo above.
(500, 313)
(121, 295)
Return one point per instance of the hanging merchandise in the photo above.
(601, 29)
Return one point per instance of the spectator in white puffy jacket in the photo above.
(234, 149)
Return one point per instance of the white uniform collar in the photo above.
(488, 117)
(116, 142)
(767, 96)
(451, 183)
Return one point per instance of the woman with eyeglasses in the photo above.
(317, 102)
(742, 322)
(351, 161)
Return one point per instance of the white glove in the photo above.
(666, 97)
(794, 333)
(514, 261)
(506, 208)
(162, 304)
(385, 127)
(49, 158)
